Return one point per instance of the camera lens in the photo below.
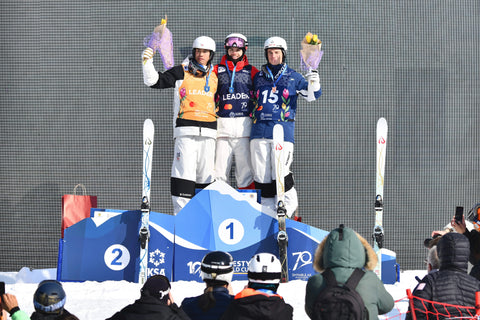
(426, 242)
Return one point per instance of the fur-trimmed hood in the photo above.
(343, 247)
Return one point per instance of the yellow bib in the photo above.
(196, 103)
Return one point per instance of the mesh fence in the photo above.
(73, 103)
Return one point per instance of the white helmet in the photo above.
(217, 266)
(204, 42)
(264, 268)
(276, 43)
(236, 40)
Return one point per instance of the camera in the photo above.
(458, 214)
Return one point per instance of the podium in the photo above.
(106, 246)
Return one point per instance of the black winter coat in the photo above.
(192, 307)
(45, 316)
(451, 284)
(252, 305)
(150, 308)
(474, 238)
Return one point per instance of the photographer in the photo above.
(10, 305)
(474, 239)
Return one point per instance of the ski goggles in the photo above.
(235, 42)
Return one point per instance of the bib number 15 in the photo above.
(269, 96)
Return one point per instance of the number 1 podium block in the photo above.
(220, 218)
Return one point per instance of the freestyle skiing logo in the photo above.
(303, 258)
(239, 267)
(194, 267)
(156, 258)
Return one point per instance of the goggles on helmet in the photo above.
(235, 42)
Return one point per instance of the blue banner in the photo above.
(106, 247)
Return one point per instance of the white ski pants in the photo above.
(227, 148)
(193, 164)
(263, 165)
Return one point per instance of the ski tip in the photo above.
(148, 123)
(278, 130)
(382, 122)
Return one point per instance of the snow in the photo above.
(100, 300)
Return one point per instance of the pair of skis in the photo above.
(282, 237)
(382, 131)
(144, 232)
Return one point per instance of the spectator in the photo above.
(259, 300)
(277, 88)
(156, 302)
(451, 284)
(217, 273)
(10, 305)
(235, 103)
(195, 121)
(342, 251)
(432, 261)
(473, 237)
(49, 301)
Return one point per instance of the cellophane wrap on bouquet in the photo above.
(161, 41)
(311, 55)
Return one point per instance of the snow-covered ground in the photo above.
(99, 300)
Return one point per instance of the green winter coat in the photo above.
(343, 256)
(20, 315)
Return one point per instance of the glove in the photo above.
(147, 54)
(150, 75)
(313, 81)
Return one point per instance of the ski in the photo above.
(282, 237)
(144, 232)
(378, 235)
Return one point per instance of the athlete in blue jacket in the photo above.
(277, 88)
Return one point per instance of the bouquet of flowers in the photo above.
(311, 52)
(161, 41)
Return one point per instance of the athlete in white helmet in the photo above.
(235, 103)
(277, 88)
(260, 300)
(195, 124)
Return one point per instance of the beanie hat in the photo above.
(157, 286)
